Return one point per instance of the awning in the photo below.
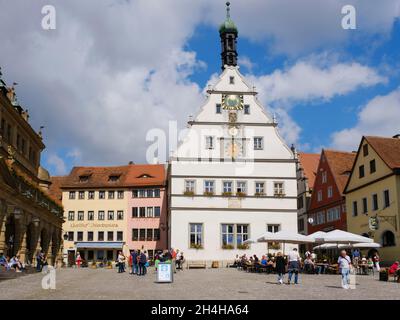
(99, 245)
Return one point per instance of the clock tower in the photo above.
(232, 177)
(228, 33)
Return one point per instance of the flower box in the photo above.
(208, 194)
(259, 194)
(196, 246)
(227, 194)
(228, 247)
(240, 194)
(243, 246)
(188, 193)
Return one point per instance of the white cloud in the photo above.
(380, 116)
(114, 69)
(307, 82)
(57, 164)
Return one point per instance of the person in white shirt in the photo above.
(293, 265)
(344, 263)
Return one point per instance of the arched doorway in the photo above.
(388, 239)
(10, 236)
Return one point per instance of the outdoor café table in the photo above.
(323, 267)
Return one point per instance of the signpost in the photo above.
(165, 273)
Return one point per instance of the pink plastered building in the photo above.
(147, 209)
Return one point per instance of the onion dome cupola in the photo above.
(228, 33)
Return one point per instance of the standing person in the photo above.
(121, 262)
(376, 259)
(130, 262)
(356, 257)
(78, 259)
(142, 264)
(134, 256)
(39, 259)
(173, 256)
(178, 260)
(344, 263)
(293, 265)
(280, 267)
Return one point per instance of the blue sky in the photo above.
(113, 70)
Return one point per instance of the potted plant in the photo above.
(109, 265)
(227, 246)
(240, 194)
(208, 193)
(259, 194)
(188, 193)
(243, 246)
(227, 194)
(383, 274)
(196, 246)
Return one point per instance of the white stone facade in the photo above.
(246, 168)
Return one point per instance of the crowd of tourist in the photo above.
(13, 262)
(293, 264)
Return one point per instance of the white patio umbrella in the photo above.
(255, 240)
(284, 237)
(343, 246)
(343, 237)
(318, 236)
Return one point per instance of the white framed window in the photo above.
(241, 186)
(227, 186)
(91, 195)
(195, 235)
(209, 142)
(242, 233)
(333, 214)
(190, 185)
(81, 215)
(110, 215)
(111, 194)
(72, 195)
(81, 195)
(260, 188)
(279, 188)
(231, 80)
(209, 186)
(120, 215)
(273, 228)
(100, 215)
(90, 215)
(324, 177)
(71, 215)
(102, 194)
(218, 108)
(258, 143)
(246, 109)
(320, 217)
(150, 212)
(330, 192)
(227, 234)
(319, 195)
(120, 194)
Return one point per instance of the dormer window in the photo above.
(84, 178)
(113, 178)
(145, 175)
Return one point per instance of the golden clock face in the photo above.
(233, 149)
(232, 102)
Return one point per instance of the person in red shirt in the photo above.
(394, 267)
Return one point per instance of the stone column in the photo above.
(49, 254)
(20, 240)
(3, 220)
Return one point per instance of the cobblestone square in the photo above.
(209, 284)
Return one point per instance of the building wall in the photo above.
(389, 219)
(96, 225)
(337, 200)
(148, 223)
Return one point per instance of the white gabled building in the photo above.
(232, 177)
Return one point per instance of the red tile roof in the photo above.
(387, 148)
(128, 176)
(341, 164)
(55, 191)
(309, 163)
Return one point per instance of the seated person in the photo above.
(394, 267)
(309, 266)
(264, 261)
